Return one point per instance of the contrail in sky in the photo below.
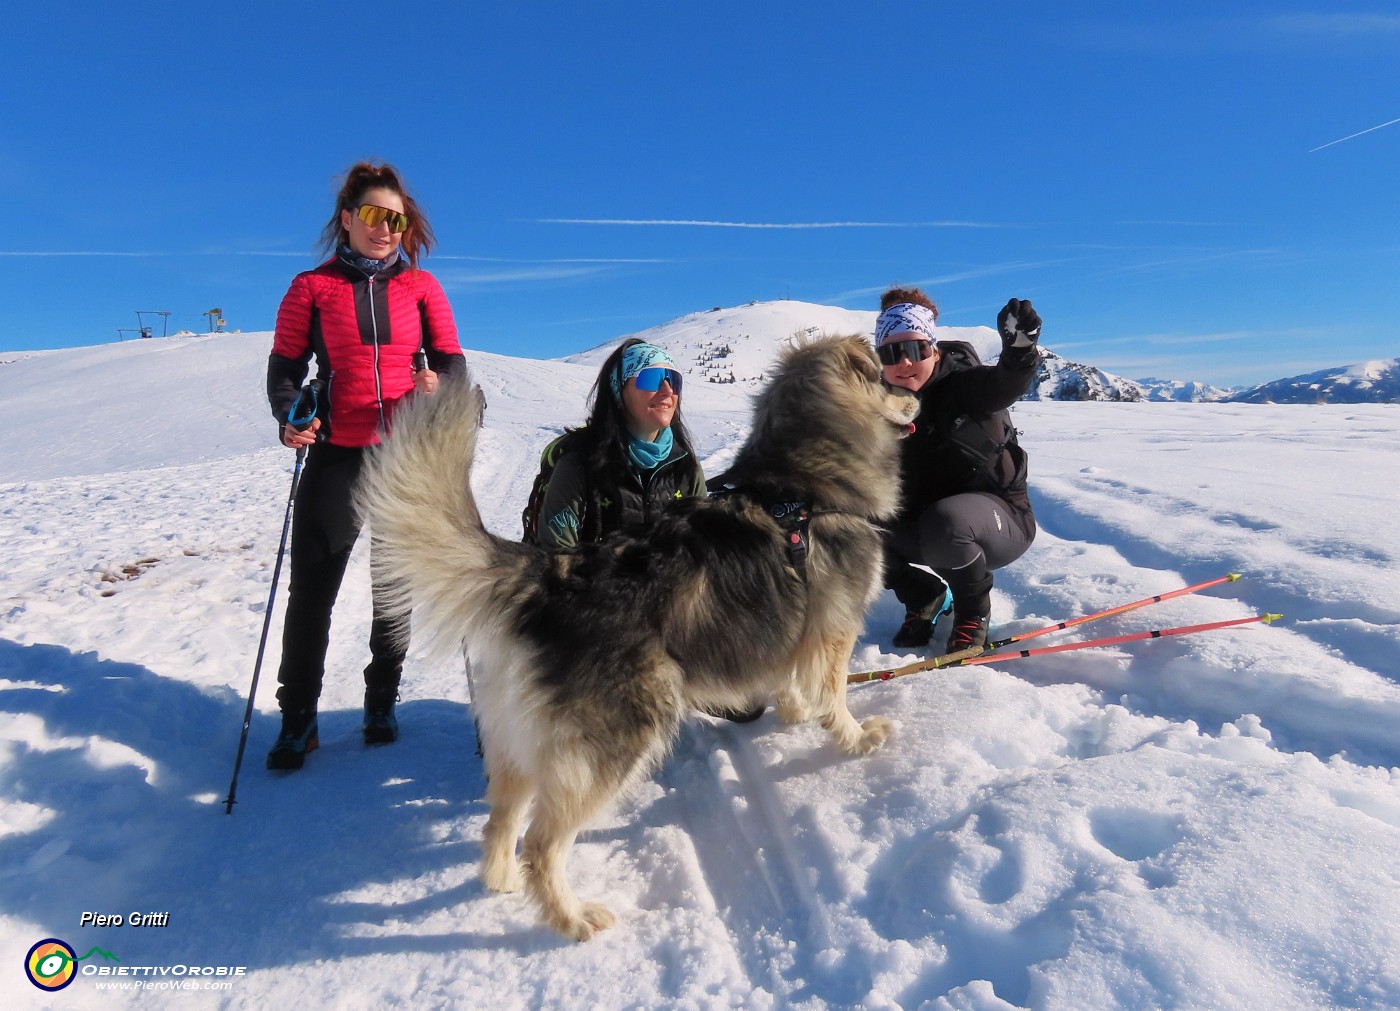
(756, 224)
(1340, 139)
(110, 252)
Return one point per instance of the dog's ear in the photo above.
(862, 358)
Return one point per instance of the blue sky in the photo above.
(1169, 182)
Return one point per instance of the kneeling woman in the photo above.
(966, 510)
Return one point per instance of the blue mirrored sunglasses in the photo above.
(651, 379)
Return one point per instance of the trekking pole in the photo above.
(952, 659)
(932, 663)
(1108, 613)
(300, 421)
(1155, 633)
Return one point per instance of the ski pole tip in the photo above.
(1269, 619)
(1232, 576)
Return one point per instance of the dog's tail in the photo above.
(430, 553)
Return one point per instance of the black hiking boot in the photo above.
(380, 726)
(972, 606)
(299, 737)
(917, 629)
(969, 631)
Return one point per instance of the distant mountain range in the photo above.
(737, 345)
(1375, 382)
(1367, 383)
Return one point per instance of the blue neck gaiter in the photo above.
(648, 455)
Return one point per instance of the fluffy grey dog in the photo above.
(586, 663)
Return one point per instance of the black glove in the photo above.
(1018, 324)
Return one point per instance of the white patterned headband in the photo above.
(905, 318)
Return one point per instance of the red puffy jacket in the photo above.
(363, 331)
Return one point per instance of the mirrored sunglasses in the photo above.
(651, 379)
(914, 350)
(372, 215)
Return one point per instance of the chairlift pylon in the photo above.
(164, 320)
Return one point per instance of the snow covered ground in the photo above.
(1195, 822)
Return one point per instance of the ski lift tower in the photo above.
(145, 330)
(216, 320)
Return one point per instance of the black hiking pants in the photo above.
(962, 538)
(324, 530)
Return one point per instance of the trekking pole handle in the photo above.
(304, 408)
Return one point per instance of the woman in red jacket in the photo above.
(363, 316)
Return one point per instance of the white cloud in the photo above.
(973, 274)
(113, 252)
(461, 278)
(497, 259)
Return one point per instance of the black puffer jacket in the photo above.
(964, 439)
(581, 506)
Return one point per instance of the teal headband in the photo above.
(634, 359)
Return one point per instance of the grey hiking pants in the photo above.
(962, 538)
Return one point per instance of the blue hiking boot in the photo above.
(299, 737)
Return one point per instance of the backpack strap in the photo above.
(594, 509)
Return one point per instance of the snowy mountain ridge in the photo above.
(1181, 392)
(736, 345)
(1374, 382)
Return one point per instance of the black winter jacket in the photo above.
(966, 402)
(580, 506)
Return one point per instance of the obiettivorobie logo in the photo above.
(51, 964)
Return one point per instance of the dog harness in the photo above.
(792, 518)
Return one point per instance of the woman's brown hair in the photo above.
(363, 177)
(898, 296)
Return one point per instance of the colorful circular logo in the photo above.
(50, 964)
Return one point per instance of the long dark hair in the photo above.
(607, 420)
(363, 177)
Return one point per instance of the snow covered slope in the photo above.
(1208, 821)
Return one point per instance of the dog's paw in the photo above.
(874, 733)
(592, 918)
(502, 876)
(791, 709)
